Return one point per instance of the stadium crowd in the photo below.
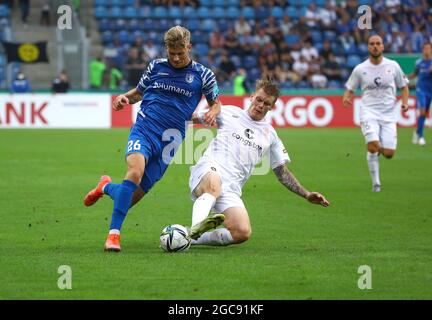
(300, 43)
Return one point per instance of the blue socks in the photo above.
(420, 125)
(122, 196)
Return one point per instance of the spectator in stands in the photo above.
(308, 51)
(270, 67)
(302, 28)
(271, 28)
(97, 71)
(240, 85)
(286, 25)
(135, 64)
(115, 77)
(312, 16)
(151, 50)
(241, 26)
(318, 80)
(331, 69)
(261, 38)
(60, 83)
(45, 18)
(21, 84)
(226, 69)
(325, 50)
(216, 42)
(25, 8)
(231, 42)
(248, 44)
(301, 68)
(327, 16)
(393, 41)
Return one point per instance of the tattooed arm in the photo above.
(291, 183)
(130, 97)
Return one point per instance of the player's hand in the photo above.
(119, 102)
(404, 108)
(347, 101)
(209, 118)
(317, 198)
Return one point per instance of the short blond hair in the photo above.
(177, 37)
(270, 87)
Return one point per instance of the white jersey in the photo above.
(378, 84)
(240, 144)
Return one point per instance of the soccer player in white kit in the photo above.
(379, 79)
(216, 181)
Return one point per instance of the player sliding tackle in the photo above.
(170, 90)
(243, 138)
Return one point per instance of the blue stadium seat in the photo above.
(130, 13)
(175, 12)
(218, 3)
(248, 12)
(205, 3)
(147, 24)
(253, 74)
(303, 85)
(134, 24)
(262, 13)
(291, 39)
(193, 24)
(250, 62)
(305, 3)
(201, 49)
(208, 25)
(107, 37)
(320, 3)
(353, 60)
(316, 36)
(277, 12)
(233, 12)
(145, 12)
(334, 84)
(101, 13)
(199, 37)
(116, 12)
(164, 25)
(189, 12)
(129, 2)
(218, 13)
(223, 25)
(330, 35)
(4, 11)
(234, 3)
(365, 2)
(116, 3)
(292, 12)
(99, 3)
(160, 12)
(203, 12)
(2, 60)
(236, 60)
(106, 24)
(296, 3)
(120, 24)
(123, 36)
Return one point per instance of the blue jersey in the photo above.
(171, 95)
(424, 75)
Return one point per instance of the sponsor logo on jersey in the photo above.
(169, 87)
(377, 81)
(249, 133)
(163, 74)
(247, 142)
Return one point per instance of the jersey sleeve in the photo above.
(210, 87)
(145, 78)
(353, 81)
(278, 153)
(400, 78)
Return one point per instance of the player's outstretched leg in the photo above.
(96, 193)
(211, 222)
(373, 164)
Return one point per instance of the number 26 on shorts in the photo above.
(133, 145)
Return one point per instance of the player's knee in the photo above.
(135, 174)
(388, 154)
(373, 148)
(241, 234)
(213, 186)
(423, 112)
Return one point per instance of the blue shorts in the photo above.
(158, 150)
(424, 99)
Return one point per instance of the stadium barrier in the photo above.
(93, 110)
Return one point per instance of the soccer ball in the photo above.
(174, 238)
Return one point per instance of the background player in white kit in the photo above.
(379, 79)
(243, 138)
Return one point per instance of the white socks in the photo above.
(373, 164)
(114, 231)
(202, 207)
(218, 237)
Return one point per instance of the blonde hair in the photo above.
(177, 37)
(270, 87)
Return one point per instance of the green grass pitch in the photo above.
(297, 250)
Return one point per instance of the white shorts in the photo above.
(382, 131)
(226, 200)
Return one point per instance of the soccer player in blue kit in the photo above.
(423, 71)
(170, 90)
